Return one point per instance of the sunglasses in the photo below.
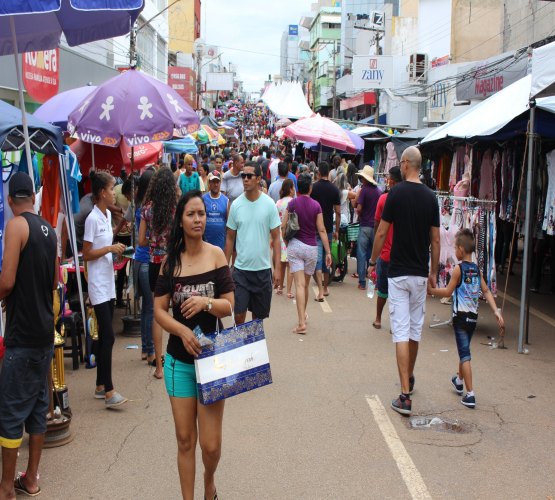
(247, 176)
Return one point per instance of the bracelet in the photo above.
(371, 264)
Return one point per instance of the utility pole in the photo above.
(334, 88)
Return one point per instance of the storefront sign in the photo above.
(362, 99)
(440, 61)
(293, 30)
(372, 72)
(177, 79)
(41, 74)
(487, 77)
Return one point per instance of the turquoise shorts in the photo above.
(180, 378)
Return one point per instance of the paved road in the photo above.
(324, 429)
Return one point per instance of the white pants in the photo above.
(407, 307)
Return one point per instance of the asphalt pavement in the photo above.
(324, 429)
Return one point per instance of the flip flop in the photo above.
(299, 331)
(327, 294)
(19, 487)
(354, 275)
(318, 300)
(290, 296)
(377, 326)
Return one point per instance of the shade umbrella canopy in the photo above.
(201, 136)
(357, 141)
(111, 160)
(44, 137)
(283, 122)
(185, 145)
(133, 106)
(40, 24)
(320, 130)
(57, 109)
(214, 136)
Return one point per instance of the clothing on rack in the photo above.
(549, 213)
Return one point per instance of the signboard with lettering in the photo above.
(293, 30)
(41, 74)
(487, 77)
(177, 80)
(373, 72)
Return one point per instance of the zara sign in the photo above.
(373, 72)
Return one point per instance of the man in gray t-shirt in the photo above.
(232, 183)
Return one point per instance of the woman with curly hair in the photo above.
(156, 221)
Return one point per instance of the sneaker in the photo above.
(458, 387)
(469, 401)
(99, 394)
(411, 384)
(404, 407)
(116, 400)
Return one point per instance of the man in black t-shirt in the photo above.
(29, 274)
(327, 195)
(413, 210)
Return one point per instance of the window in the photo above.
(161, 64)
(145, 49)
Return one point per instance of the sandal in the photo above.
(377, 326)
(20, 487)
(354, 275)
(279, 290)
(144, 356)
(215, 497)
(318, 300)
(290, 295)
(298, 330)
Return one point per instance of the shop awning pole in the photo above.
(527, 228)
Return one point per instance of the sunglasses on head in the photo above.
(247, 176)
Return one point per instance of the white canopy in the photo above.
(287, 100)
(489, 116)
(543, 71)
(362, 131)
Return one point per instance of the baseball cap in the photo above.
(395, 174)
(21, 186)
(215, 175)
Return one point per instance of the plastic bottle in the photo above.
(370, 288)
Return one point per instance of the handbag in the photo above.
(292, 227)
(235, 361)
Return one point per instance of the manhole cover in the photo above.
(438, 424)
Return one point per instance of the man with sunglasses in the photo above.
(253, 219)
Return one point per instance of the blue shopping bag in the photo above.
(236, 361)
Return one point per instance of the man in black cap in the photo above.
(382, 266)
(29, 274)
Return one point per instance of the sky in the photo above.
(248, 33)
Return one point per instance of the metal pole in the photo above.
(22, 103)
(334, 88)
(377, 91)
(527, 228)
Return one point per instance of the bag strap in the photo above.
(232, 317)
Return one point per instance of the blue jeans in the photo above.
(321, 262)
(463, 343)
(364, 243)
(147, 306)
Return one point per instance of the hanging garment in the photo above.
(486, 191)
(73, 175)
(392, 160)
(549, 214)
(51, 191)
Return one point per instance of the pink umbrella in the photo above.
(321, 130)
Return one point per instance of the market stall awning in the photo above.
(489, 116)
(543, 71)
(287, 100)
(43, 137)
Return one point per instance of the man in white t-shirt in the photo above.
(232, 184)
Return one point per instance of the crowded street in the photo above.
(327, 273)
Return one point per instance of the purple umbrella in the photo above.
(57, 109)
(357, 140)
(133, 106)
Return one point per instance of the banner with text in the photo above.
(373, 72)
(41, 74)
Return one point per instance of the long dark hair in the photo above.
(286, 188)
(176, 243)
(162, 194)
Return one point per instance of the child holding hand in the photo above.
(465, 286)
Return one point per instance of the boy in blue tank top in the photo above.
(465, 286)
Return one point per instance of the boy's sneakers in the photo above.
(402, 405)
(458, 387)
(469, 401)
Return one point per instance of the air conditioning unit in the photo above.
(418, 68)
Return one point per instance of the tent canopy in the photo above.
(44, 138)
(287, 100)
(543, 71)
(501, 116)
